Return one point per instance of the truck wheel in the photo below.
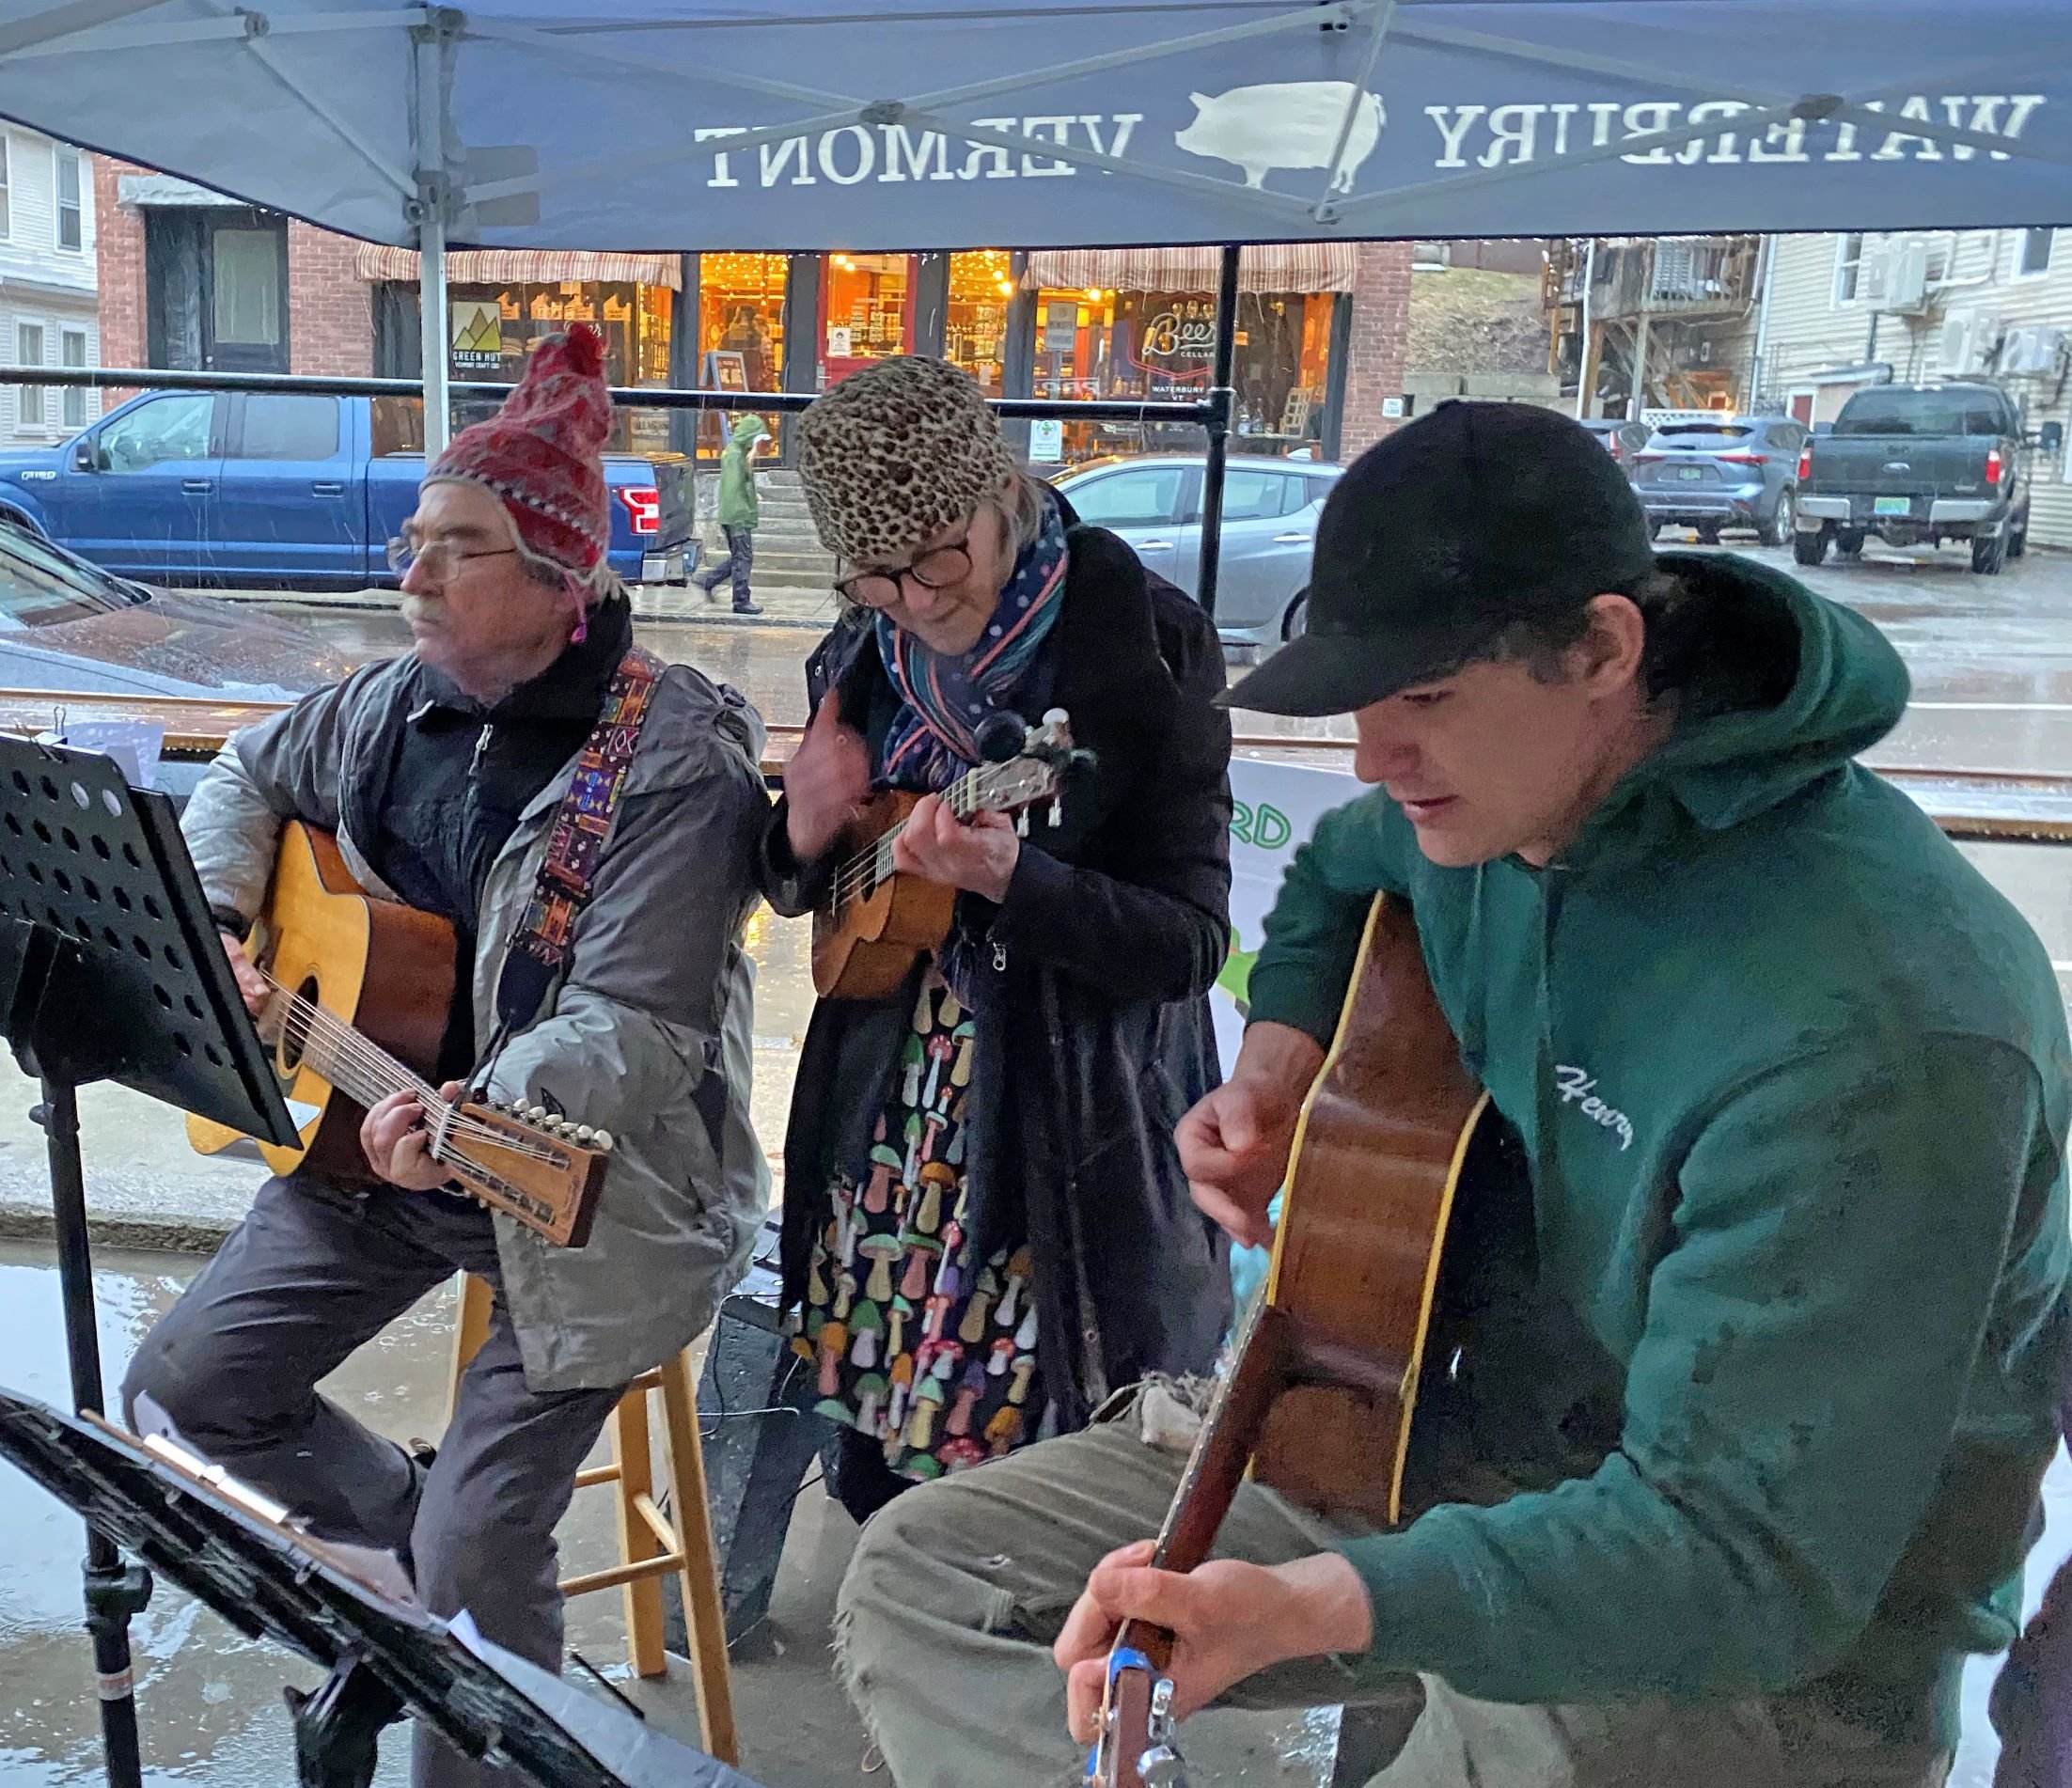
(1849, 544)
(1709, 535)
(1810, 549)
(1989, 553)
(1784, 524)
(2017, 544)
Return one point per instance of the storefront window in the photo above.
(741, 335)
(1160, 347)
(982, 286)
(495, 328)
(867, 312)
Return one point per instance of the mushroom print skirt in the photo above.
(914, 1342)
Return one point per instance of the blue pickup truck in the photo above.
(279, 487)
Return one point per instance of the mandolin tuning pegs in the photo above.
(1020, 824)
(602, 1141)
(584, 1132)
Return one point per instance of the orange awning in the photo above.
(1292, 267)
(522, 266)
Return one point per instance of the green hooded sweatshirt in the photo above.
(738, 505)
(1792, 1078)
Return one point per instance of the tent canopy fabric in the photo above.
(654, 125)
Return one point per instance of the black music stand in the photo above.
(110, 969)
(349, 1610)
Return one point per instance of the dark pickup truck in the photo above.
(1915, 464)
(285, 487)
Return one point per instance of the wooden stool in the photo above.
(651, 1545)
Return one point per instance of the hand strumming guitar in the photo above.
(252, 986)
(1228, 1619)
(1234, 1144)
(825, 780)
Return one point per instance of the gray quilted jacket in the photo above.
(648, 1034)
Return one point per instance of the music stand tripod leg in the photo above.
(116, 1591)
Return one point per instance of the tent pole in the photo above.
(1222, 401)
(436, 333)
(432, 47)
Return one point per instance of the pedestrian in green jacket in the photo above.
(1747, 1445)
(738, 515)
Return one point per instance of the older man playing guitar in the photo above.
(1731, 1467)
(587, 819)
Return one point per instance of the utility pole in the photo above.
(1638, 397)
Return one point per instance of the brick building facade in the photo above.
(1376, 344)
(329, 321)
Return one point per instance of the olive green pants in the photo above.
(958, 1588)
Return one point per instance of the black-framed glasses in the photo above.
(441, 558)
(936, 568)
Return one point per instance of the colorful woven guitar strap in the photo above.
(575, 842)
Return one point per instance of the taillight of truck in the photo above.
(1805, 463)
(644, 507)
(1995, 466)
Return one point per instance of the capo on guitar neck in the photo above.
(1133, 1678)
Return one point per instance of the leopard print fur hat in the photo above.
(897, 453)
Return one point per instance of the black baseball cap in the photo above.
(1441, 538)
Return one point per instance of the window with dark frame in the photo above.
(71, 228)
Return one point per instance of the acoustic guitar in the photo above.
(359, 994)
(877, 922)
(1318, 1397)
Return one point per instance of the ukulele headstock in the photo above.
(1037, 773)
(532, 1164)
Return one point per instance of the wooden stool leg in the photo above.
(705, 1620)
(637, 1541)
(470, 1330)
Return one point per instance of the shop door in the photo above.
(867, 312)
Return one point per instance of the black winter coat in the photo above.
(1092, 1028)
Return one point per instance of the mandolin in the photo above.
(1323, 1379)
(877, 922)
(359, 994)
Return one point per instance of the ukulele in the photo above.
(359, 990)
(877, 922)
(1324, 1375)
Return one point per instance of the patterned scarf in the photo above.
(945, 700)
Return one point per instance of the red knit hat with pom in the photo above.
(542, 454)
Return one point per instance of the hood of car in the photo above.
(202, 641)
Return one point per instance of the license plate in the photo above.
(1892, 506)
(1691, 471)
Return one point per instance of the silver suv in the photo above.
(1270, 509)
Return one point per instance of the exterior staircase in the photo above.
(791, 563)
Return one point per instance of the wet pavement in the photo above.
(209, 1699)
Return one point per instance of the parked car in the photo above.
(70, 628)
(1623, 441)
(183, 486)
(1739, 471)
(1916, 464)
(1270, 509)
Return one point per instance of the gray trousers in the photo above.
(957, 1588)
(313, 1272)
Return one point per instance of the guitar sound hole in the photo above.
(292, 1034)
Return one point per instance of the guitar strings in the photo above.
(367, 1073)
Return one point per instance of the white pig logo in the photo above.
(1286, 124)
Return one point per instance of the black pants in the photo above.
(739, 562)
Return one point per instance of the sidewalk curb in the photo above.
(164, 1235)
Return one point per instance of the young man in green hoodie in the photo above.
(739, 513)
(1742, 1464)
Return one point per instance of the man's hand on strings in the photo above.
(399, 1145)
(251, 983)
(1229, 1619)
(978, 854)
(1234, 1143)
